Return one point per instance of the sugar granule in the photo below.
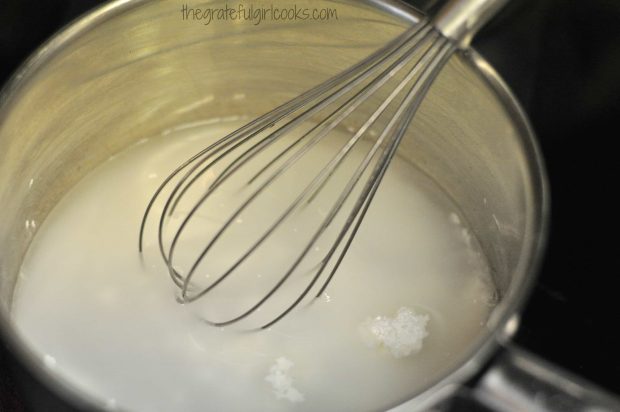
(402, 335)
(281, 381)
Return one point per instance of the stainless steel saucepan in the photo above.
(127, 70)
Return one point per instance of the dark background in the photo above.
(562, 59)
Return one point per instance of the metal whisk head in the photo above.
(294, 184)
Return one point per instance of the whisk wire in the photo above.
(349, 84)
(335, 101)
(359, 72)
(315, 185)
(404, 116)
(276, 114)
(346, 109)
(428, 78)
(411, 103)
(179, 190)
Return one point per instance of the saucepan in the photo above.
(122, 72)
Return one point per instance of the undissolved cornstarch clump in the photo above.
(281, 381)
(402, 335)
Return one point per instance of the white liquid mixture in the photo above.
(108, 322)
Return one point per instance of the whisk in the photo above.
(249, 163)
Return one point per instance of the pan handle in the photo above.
(519, 381)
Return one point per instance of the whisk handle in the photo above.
(460, 20)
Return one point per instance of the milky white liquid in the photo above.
(106, 320)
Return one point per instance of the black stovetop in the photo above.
(562, 59)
